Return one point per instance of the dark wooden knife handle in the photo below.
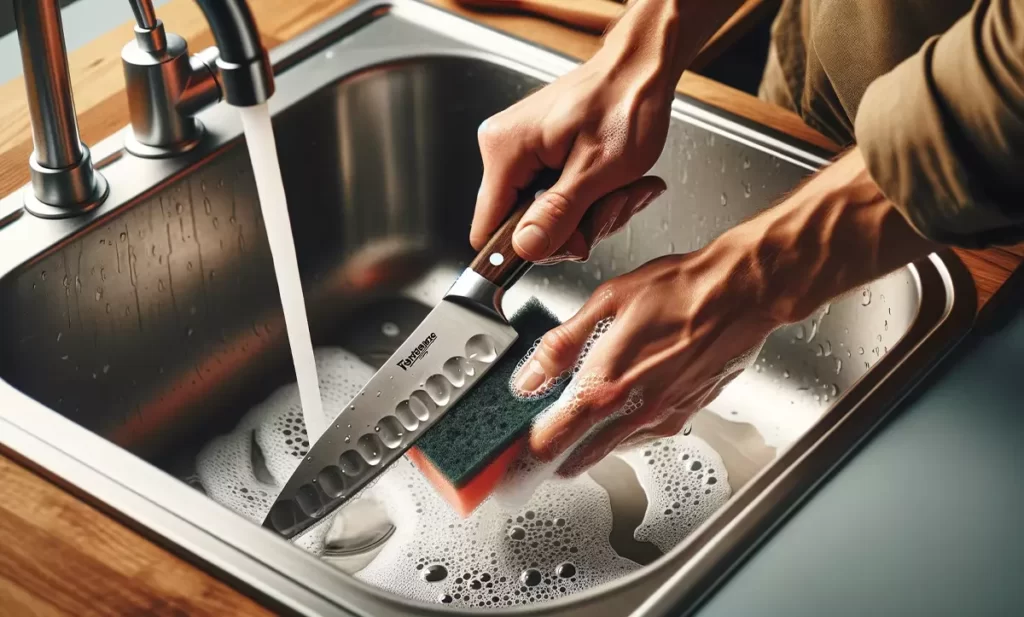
(498, 262)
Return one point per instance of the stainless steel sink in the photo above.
(131, 336)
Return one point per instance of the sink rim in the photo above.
(90, 465)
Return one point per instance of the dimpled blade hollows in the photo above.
(449, 352)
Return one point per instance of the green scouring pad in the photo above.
(468, 451)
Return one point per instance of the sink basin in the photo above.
(134, 335)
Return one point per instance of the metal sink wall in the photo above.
(145, 329)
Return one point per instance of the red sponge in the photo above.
(464, 499)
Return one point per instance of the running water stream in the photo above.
(259, 136)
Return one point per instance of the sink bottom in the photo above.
(621, 522)
(139, 333)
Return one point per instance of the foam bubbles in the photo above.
(537, 538)
(527, 473)
(600, 329)
(497, 557)
(247, 479)
(685, 481)
(225, 470)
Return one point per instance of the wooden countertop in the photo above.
(62, 556)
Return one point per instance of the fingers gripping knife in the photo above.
(447, 354)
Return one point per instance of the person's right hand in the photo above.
(604, 125)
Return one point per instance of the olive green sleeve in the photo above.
(943, 132)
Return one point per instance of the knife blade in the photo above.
(451, 350)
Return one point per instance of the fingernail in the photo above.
(532, 240)
(530, 378)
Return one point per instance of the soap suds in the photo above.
(526, 474)
(228, 468)
(549, 548)
(537, 538)
(685, 481)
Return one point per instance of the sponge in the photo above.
(466, 454)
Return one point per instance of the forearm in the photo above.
(666, 35)
(833, 234)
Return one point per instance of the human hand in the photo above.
(603, 125)
(685, 325)
(603, 128)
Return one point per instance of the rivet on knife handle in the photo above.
(498, 261)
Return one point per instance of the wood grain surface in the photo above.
(596, 15)
(592, 16)
(61, 556)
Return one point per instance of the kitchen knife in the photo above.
(448, 353)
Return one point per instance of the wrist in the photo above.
(648, 40)
(669, 33)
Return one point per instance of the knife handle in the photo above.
(498, 262)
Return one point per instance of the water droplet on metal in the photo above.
(439, 389)
(481, 348)
(455, 370)
(390, 430)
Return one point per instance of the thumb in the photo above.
(509, 166)
(558, 350)
(557, 213)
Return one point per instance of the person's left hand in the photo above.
(684, 326)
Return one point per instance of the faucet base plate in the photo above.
(99, 193)
(139, 149)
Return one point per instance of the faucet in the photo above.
(166, 88)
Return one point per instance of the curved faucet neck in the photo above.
(247, 77)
